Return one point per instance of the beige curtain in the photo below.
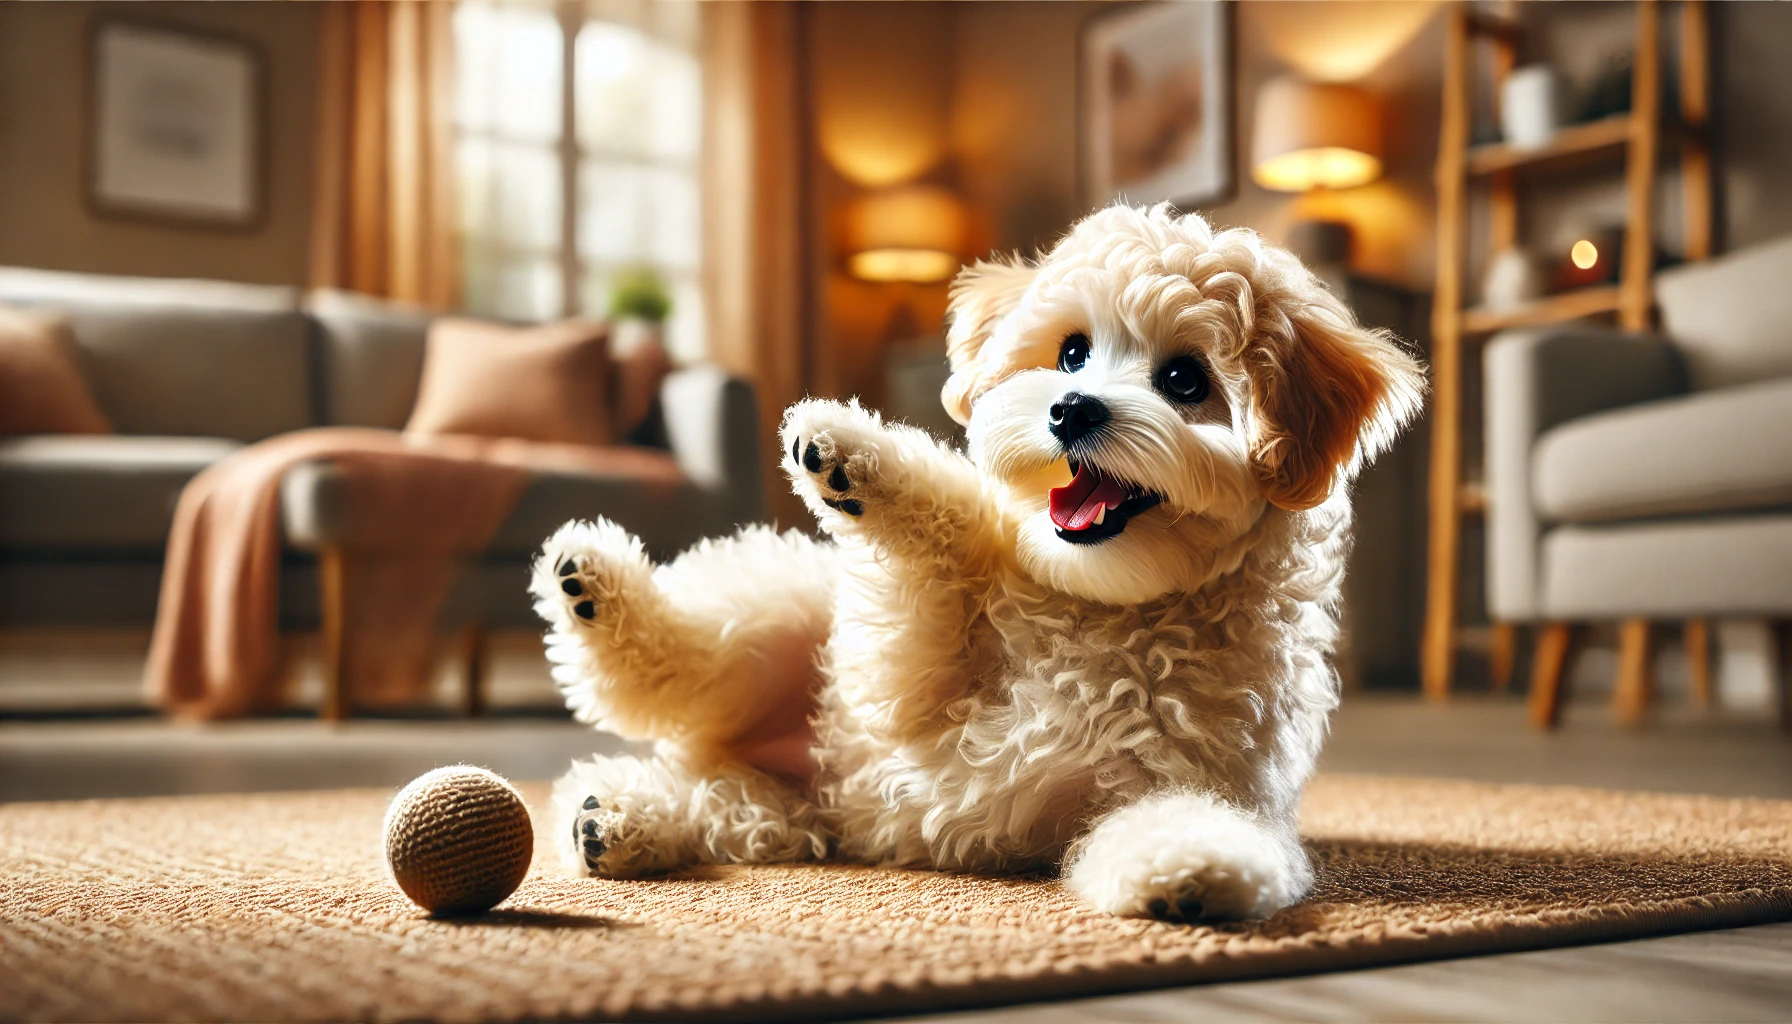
(755, 226)
(384, 210)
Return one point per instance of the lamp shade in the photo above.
(1314, 135)
(913, 233)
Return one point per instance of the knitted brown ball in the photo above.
(458, 840)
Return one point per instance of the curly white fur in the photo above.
(952, 682)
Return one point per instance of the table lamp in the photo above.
(910, 233)
(1311, 136)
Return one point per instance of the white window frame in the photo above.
(573, 16)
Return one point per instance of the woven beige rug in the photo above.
(278, 908)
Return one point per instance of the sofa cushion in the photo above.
(667, 519)
(548, 383)
(1716, 451)
(1732, 316)
(1669, 569)
(193, 358)
(638, 377)
(42, 390)
(112, 493)
(372, 356)
(668, 512)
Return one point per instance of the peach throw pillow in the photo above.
(549, 383)
(638, 378)
(42, 390)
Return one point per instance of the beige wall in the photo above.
(983, 97)
(1015, 118)
(44, 221)
(1016, 131)
(1754, 120)
(881, 95)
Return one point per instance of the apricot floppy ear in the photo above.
(1328, 396)
(956, 397)
(982, 294)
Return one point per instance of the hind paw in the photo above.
(582, 570)
(592, 831)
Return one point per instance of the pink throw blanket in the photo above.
(425, 501)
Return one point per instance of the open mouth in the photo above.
(1095, 506)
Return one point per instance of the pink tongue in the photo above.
(1075, 505)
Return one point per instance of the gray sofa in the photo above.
(190, 371)
(1648, 477)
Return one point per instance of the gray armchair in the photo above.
(1646, 478)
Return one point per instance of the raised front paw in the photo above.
(822, 458)
(572, 586)
(833, 453)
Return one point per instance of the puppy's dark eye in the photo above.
(1183, 379)
(1074, 352)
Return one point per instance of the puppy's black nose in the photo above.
(1076, 415)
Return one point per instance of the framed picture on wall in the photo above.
(175, 122)
(1156, 106)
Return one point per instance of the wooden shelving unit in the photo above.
(1472, 496)
(1573, 305)
(1574, 145)
(1634, 140)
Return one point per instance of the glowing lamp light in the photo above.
(1341, 42)
(1593, 257)
(921, 265)
(1323, 167)
(913, 233)
(1314, 135)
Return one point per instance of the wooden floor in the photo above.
(1681, 750)
(82, 759)
(1740, 975)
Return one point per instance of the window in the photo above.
(565, 183)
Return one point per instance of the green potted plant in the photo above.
(639, 304)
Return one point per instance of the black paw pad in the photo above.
(852, 507)
(1158, 907)
(591, 804)
(796, 450)
(571, 587)
(594, 848)
(1190, 908)
(589, 828)
(812, 458)
(568, 567)
(584, 609)
(837, 479)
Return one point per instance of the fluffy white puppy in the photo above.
(1098, 643)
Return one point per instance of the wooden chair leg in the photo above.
(473, 647)
(330, 600)
(1636, 671)
(1782, 644)
(1549, 673)
(1503, 655)
(1698, 660)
